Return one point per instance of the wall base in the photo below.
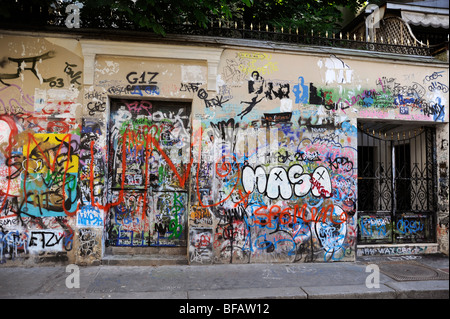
(396, 249)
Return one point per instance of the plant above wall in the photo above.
(158, 15)
(302, 22)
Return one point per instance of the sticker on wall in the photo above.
(46, 240)
(40, 100)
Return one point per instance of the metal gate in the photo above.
(149, 148)
(396, 184)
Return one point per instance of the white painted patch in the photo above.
(193, 74)
(110, 68)
(286, 105)
(219, 83)
(62, 94)
(337, 71)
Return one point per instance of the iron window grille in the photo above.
(396, 186)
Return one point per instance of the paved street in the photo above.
(236, 281)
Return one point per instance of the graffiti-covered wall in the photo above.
(40, 177)
(238, 154)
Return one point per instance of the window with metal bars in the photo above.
(396, 184)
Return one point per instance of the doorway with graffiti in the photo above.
(149, 148)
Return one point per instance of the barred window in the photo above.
(396, 183)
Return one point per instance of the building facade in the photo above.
(228, 151)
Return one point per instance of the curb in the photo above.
(250, 293)
(433, 289)
(350, 292)
(438, 289)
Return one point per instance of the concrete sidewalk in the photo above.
(231, 281)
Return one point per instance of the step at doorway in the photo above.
(145, 256)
